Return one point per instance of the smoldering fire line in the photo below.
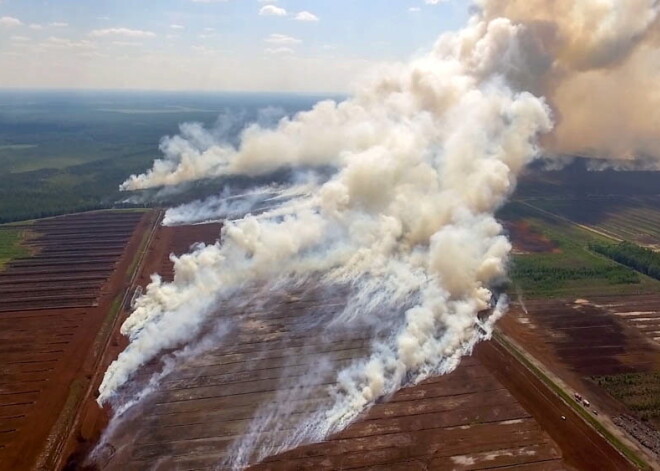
(424, 153)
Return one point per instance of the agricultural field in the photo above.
(584, 308)
(553, 259)
(464, 420)
(57, 303)
(633, 219)
(12, 244)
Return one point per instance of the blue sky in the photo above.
(253, 45)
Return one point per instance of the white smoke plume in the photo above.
(598, 63)
(229, 205)
(424, 153)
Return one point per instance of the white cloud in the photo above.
(129, 33)
(65, 43)
(10, 21)
(208, 1)
(202, 50)
(282, 39)
(279, 50)
(209, 29)
(267, 1)
(36, 26)
(272, 10)
(306, 16)
(434, 2)
(177, 26)
(127, 43)
(20, 39)
(58, 24)
(414, 9)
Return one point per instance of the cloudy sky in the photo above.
(252, 45)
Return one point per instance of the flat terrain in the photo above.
(466, 420)
(156, 259)
(553, 259)
(491, 413)
(598, 335)
(54, 305)
(641, 312)
(65, 151)
(633, 218)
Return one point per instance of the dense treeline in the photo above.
(537, 276)
(50, 192)
(631, 255)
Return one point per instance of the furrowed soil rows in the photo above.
(490, 413)
(52, 306)
(584, 339)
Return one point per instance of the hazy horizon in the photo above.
(228, 45)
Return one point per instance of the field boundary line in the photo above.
(569, 221)
(559, 388)
(67, 423)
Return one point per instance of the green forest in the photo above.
(638, 258)
(63, 152)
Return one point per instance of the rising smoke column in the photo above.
(598, 63)
(424, 154)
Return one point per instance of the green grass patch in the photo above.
(11, 245)
(634, 219)
(640, 392)
(572, 271)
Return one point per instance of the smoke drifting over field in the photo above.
(424, 153)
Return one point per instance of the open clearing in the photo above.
(53, 306)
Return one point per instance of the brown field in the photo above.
(526, 239)
(491, 413)
(584, 338)
(92, 419)
(641, 312)
(580, 340)
(52, 307)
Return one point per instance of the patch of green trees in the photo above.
(643, 260)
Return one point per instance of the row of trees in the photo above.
(547, 275)
(643, 260)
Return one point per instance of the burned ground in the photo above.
(527, 239)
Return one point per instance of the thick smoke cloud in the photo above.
(599, 68)
(424, 154)
(597, 62)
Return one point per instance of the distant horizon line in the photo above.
(169, 91)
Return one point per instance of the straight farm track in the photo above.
(635, 219)
(52, 307)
